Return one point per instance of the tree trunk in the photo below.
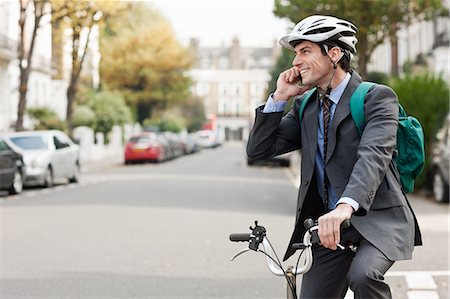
(26, 56)
(23, 89)
(363, 58)
(394, 49)
(77, 63)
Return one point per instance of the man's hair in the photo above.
(344, 62)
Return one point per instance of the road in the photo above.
(161, 231)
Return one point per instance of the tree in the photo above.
(147, 65)
(25, 49)
(45, 119)
(283, 63)
(376, 19)
(80, 17)
(108, 107)
(193, 112)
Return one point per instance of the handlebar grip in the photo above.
(345, 224)
(240, 237)
(297, 246)
(308, 223)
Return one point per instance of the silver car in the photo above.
(48, 155)
(441, 162)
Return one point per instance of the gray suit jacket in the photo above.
(360, 168)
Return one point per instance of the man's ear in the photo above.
(336, 54)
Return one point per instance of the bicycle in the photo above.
(259, 236)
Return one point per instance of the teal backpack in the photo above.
(410, 158)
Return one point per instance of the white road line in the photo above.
(294, 180)
(214, 178)
(51, 190)
(422, 295)
(429, 272)
(420, 281)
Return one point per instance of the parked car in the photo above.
(147, 146)
(440, 163)
(208, 138)
(11, 168)
(190, 144)
(48, 155)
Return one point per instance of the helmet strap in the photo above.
(328, 91)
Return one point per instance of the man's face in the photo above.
(315, 68)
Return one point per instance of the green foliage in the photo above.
(376, 19)
(378, 77)
(45, 119)
(144, 62)
(284, 62)
(170, 123)
(426, 97)
(83, 116)
(194, 115)
(108, 107)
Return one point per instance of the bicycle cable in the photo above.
(291, 285)
(298, 260)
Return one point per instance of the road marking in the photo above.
(422, 295)
(294, 180)
(215, 178)
(50, 190)
(420, 281)
(430, 272)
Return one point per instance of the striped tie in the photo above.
(326, 103)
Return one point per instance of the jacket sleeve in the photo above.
(273, 134)
(377, 144)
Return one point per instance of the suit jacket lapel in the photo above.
(310, 118)
(341, 112)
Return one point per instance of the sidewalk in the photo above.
(101, 164)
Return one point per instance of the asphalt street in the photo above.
(161, 231)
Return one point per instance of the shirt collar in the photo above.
(336, 93)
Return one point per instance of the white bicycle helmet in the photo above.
(321, 29)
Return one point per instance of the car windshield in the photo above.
(142, 139)
(30, 142)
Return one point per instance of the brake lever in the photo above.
(239, 253)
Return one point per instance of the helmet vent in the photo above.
(319, 30)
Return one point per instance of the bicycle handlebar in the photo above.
(240, 237)
(258, 236)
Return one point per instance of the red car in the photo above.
(145, 147)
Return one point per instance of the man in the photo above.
(343, 176)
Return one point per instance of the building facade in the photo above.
(51, 65)
(40, 83)
(231, 81)
(425, 42)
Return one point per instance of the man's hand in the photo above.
(330, 225)
(287, 85)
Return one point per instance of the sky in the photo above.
(216, 22)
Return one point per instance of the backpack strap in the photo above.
(357, 105)
(304, 102)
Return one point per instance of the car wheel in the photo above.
(162, 157)
(75, 178)
(17, 185)
(48, 178)
(440, 187)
